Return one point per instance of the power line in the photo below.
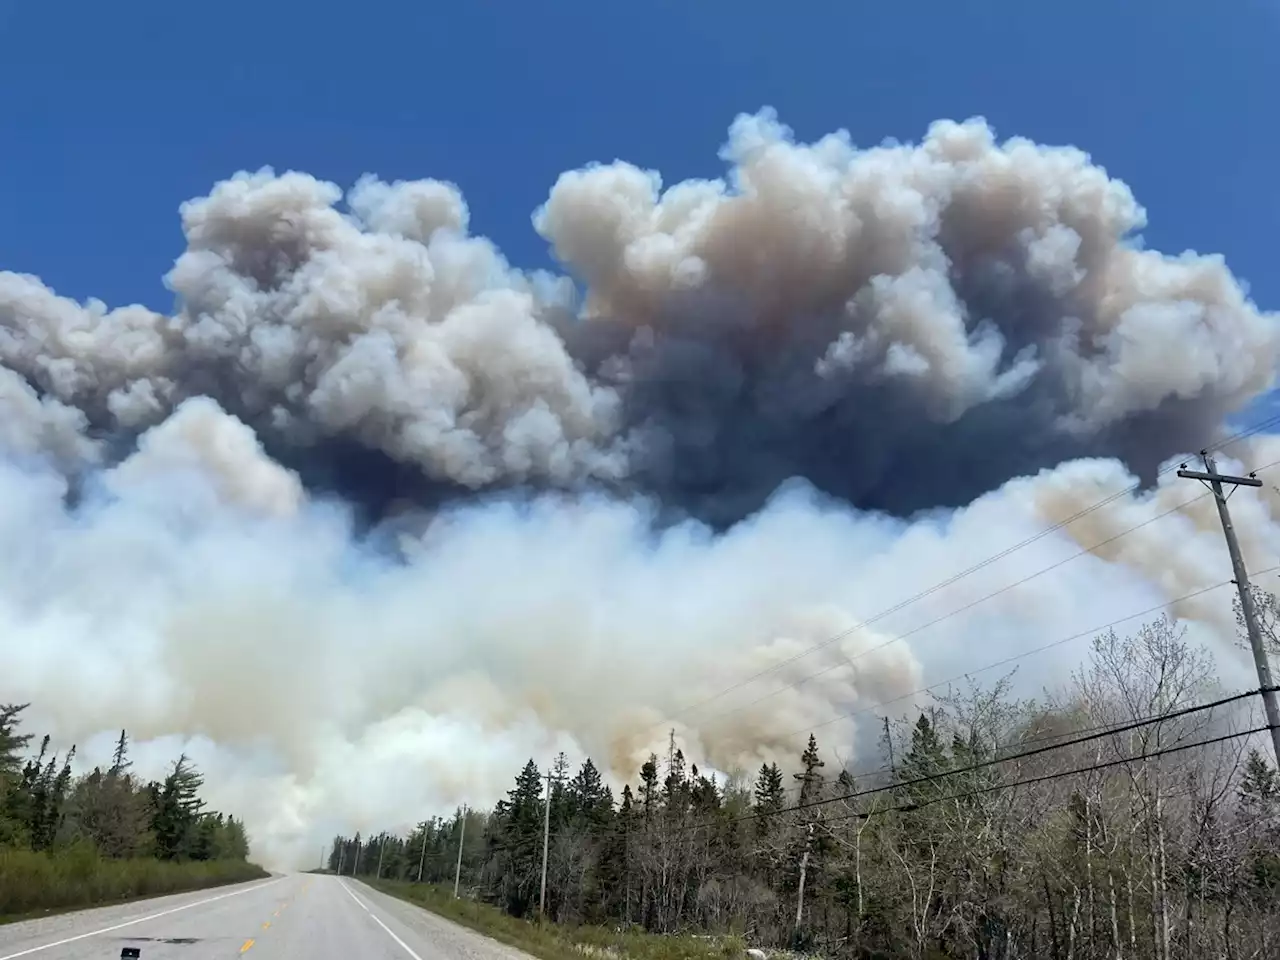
(968, 606)
(968, 794)
(1110, 730)
(1044, 778)
(960, 771)
(1132, 488)
(1020, 656)
(848, 660)
(1037, 751)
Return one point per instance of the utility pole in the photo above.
(356, 869)
(1214, 481)
(422, 857)
(804, 868)
(382, 849)
(342, 853)
(462, 839)
(888, 741)
(546, 842)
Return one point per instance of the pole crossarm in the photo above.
(1220, 478)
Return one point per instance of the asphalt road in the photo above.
(298, 917)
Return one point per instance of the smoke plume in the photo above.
(374, 516)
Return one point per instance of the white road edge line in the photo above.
(130, 923)
(390, 933)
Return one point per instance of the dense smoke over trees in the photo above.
(373, 495)
(1097, 844)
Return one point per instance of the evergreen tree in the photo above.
(770, 798)
(649, 799)
(1259, 815)
(519, 835)
(120, 761)
(176, 808)
(810, 776)
(12, 743)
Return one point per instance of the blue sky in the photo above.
(115, 113)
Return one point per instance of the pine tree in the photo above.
(926, 758)
(520, 839)
(770, 798)
(616, 860)
(1259, 789)
(810, 778)
(12, 743)
(649, 787)
(176, 807)
(590, 799)
(1259, 794)
(120, 761)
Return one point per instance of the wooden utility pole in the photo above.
(462, 839)
(804, 869)
(888, 742)
(382, 849)
(1214, 480)
(546, 843)
(342, 853)
(422, 857)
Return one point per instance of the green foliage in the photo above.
(68, 841)
(77, 877)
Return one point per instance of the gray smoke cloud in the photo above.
(905, 327)
(751, 416)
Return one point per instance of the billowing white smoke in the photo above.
(199, 595)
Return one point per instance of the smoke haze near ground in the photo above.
(375, 516)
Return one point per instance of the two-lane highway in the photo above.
(299, 917)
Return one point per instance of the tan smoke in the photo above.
(959, 322)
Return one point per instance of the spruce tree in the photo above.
(770, 798)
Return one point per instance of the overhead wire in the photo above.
(1005, 661)
(849, 659)
(1044, 778)
(949, 774)
(1108, 731)
(968, 606)
(903, 604)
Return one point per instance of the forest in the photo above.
(1130, 814)
(68, 841)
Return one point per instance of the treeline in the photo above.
(1115, 831)
(105, 835)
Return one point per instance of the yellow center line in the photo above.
(267, 924)
(247, 944)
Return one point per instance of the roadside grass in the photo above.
(549, 941)
(38, 884)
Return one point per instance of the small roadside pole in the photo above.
(422, 857)
(546, 843)
(462, 839)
